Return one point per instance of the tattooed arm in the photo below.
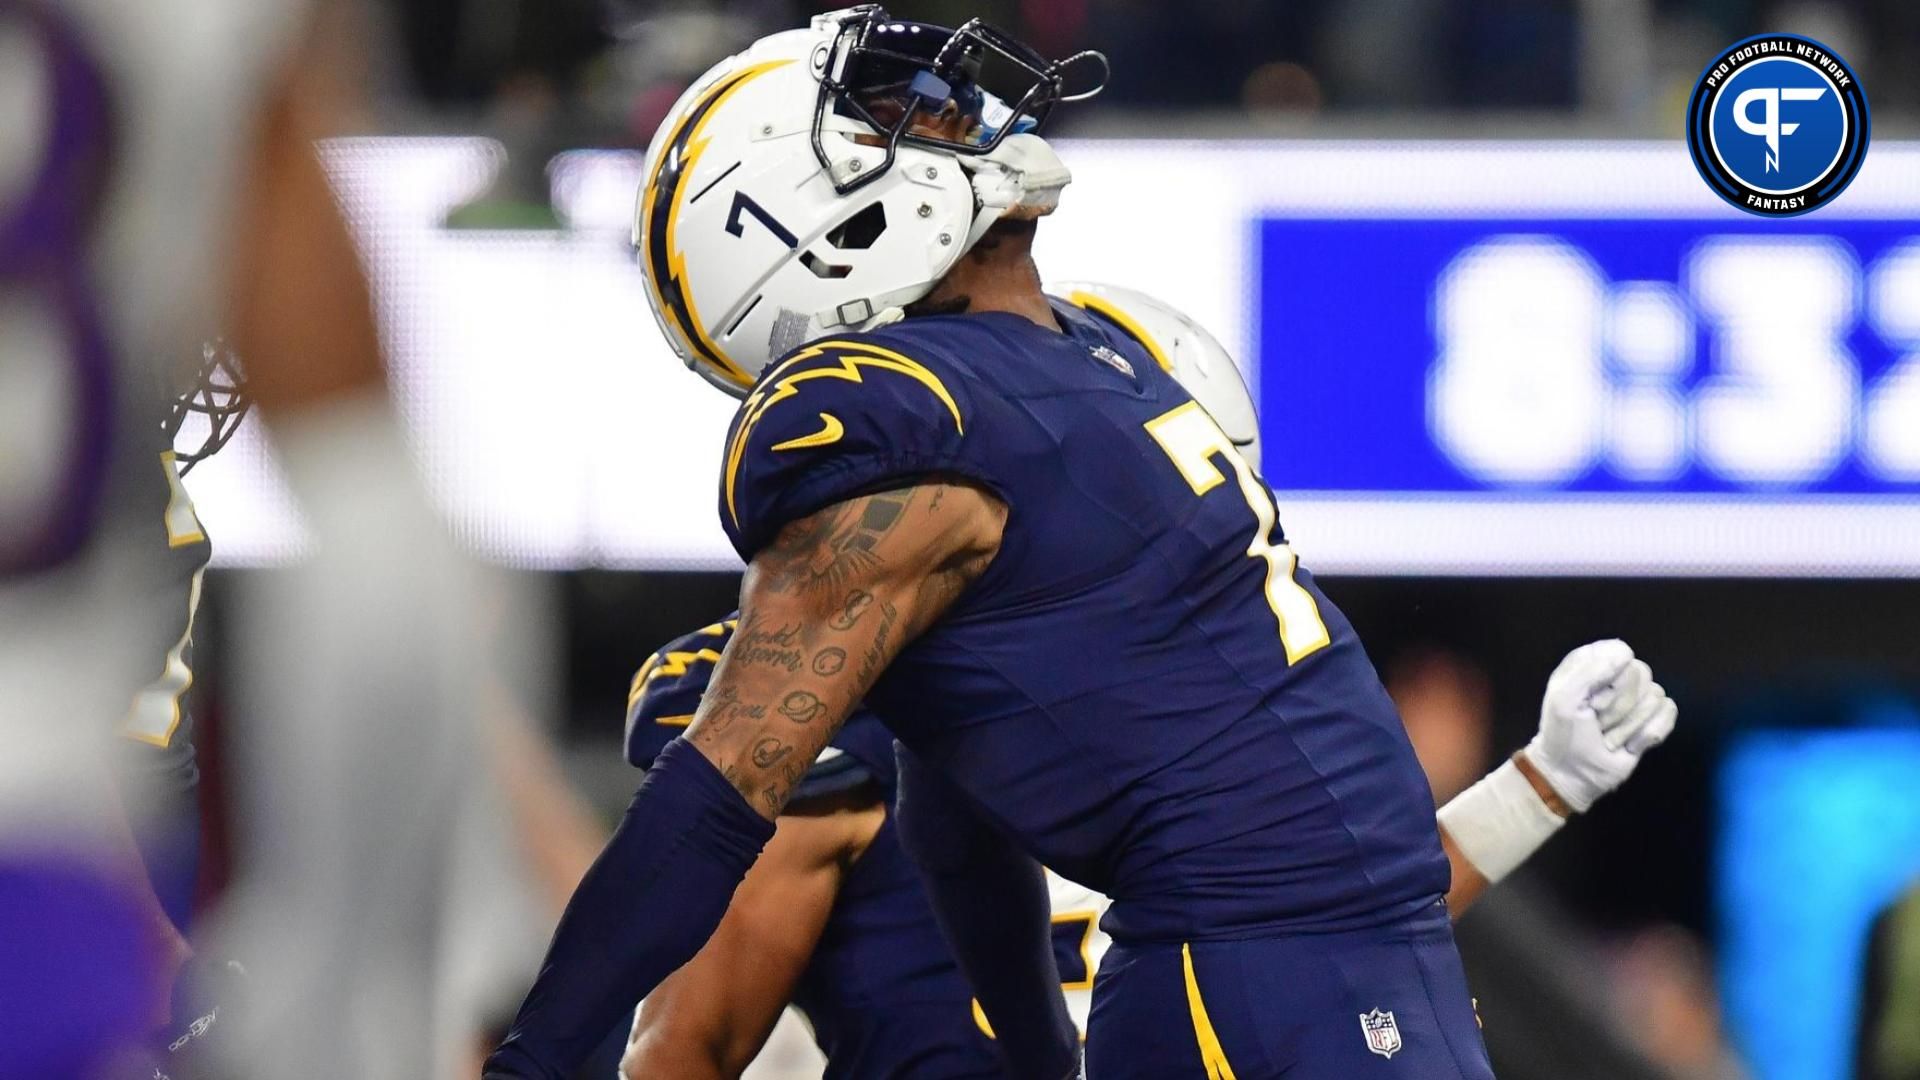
(824, 608)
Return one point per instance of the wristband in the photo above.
(1499, 822)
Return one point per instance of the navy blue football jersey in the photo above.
(666, 693)
(1143, 687)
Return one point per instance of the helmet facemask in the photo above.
(948, 90)
(211, 410)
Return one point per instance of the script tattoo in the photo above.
(773, 648)
(768, 752)
(829, 661)
(834, 545)
(802, 707)
(726, 710)
(876, 656)
(856, 605)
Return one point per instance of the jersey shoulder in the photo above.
(665, 692)
(841, 417)
(1092, 316)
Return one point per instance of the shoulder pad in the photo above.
(1183, 349)
(832, 420)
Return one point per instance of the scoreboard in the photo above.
(1696, 391)
(1778, 359)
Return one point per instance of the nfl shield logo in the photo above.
(1383, 1035)
(1113, 360)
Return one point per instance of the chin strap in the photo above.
(1021, 179)
(885, 317)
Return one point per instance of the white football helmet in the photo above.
(826, 178)
(1183, 348)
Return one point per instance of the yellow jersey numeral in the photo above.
(1192, 439)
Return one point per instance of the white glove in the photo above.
(1601, 712)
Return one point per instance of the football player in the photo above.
(156, 766)
(158, 180)
(1001, 524)
(830, 918)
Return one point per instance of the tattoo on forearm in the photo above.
(773, 648)
(876, 657)
(768, 752)
(835, 566)
(726, 709)
(855, 606)
(802, 707)
(835, 544)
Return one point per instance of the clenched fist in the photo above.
(1601, 712)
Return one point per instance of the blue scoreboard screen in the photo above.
(1609, 393)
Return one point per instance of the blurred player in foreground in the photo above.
(1000, 524)
(159, 181)
(832, 917)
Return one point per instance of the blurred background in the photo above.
(1525, 382)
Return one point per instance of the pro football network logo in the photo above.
(1778, 125)
(1383, 1035)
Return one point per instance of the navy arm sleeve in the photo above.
(646, 907)
(991, 901)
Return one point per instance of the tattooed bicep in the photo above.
(823, 610)
(835, 545)
(895, 533)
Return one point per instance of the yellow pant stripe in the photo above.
(1211, 1054)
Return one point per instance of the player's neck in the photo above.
(997, 275)
(1017, 293)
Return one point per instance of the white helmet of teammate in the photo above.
(1184, 348)
(825, 178)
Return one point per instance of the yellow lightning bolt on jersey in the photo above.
(671, 664)
(853, 356)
